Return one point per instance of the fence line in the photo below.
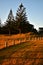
(5, 42)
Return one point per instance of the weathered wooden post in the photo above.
(6, 43)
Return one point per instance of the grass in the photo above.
(28, 52)
(6, 52)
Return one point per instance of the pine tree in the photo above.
(10, 16)
(20, 17)
(22, 23)
(10, 22)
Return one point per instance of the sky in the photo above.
(34, 10)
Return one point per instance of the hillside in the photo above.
(6, 40)
(29, 53)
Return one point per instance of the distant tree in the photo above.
(10, 23)
(35, 31)
(40, 31)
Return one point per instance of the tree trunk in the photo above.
(9, 32)
(19, 30)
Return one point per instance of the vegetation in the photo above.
(28, 53)
(19, 24)
(21, 20)
(8, 51)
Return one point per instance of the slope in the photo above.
(28, 53)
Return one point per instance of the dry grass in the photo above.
(30, 53)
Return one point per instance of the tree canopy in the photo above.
(17, 24)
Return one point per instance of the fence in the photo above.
(6, 41)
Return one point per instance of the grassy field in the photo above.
(29, 53)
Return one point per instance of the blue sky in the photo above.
(34, 10)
